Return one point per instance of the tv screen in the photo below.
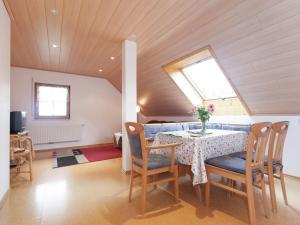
(17, 121)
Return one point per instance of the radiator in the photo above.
(48, 134)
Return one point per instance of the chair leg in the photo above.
(207, 191)
(264, 198)
(30, 171)
(250, 199)
(176, 184)
(197, 189)
(30, 166)
(130, 185)
(283, 187)
(144, 192)
(19, 166)
(272, 191)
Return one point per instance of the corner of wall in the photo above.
(114, 85)
(4, 99)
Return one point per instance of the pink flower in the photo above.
(211, 108)
(194, 109)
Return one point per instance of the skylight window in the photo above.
(185, 86)
(202, 81)
(209, 80)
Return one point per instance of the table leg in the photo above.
(198, 192)
(199, 188)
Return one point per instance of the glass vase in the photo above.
(203, 126)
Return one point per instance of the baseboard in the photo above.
(292, 176)
(46, 154)
(4, 199)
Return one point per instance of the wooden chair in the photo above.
(26, 142)
(21, 154)
(145, 164)
(14, 144)
(273, 165)
(249, 172)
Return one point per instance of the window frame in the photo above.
(36, 102)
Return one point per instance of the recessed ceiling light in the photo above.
(100, 70)
(53, 11)
(112, 58)
(54, 45)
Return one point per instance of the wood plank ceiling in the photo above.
(257, 42)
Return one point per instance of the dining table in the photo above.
(198, 146)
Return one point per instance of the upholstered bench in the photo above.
(152, 129)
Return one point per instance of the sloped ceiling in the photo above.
(257, 43)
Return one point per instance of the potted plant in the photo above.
(204, 114)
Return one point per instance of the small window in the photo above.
(52, 101)
(209, 80)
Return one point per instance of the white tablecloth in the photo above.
(196, 148)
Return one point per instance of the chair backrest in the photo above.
(277, 139)
(257, 142)
(137, 141)
(14, 141)
(26, 143)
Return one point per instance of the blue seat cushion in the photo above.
(276, 163)
(242, 155)
(217, 126)
(171, 127)
(152, 129)
(156, 161)
(233, 164)
(135, 142)
(185, 126)
(244, 128)
(194, 126)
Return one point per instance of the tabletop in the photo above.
(197, 147)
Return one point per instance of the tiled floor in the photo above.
(96, 194)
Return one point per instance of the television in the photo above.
(17, 121)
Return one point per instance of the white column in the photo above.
(129, 96)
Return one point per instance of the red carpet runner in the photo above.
(102, 153)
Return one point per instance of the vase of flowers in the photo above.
(204, 114)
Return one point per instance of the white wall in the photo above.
(4, 99)
(291, 156)
(94, 103)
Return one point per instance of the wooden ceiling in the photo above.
(257, 43)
